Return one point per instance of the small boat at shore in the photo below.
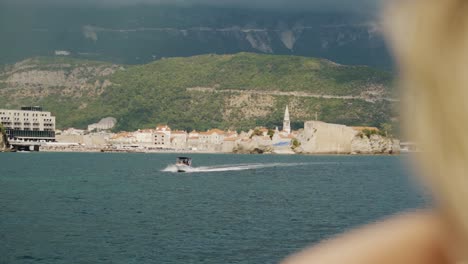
(183, 164)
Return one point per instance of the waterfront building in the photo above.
(212, 136)
(204, 138)
(162, 136)
(179, 139)
(287, 122)
(211, 140)
(193, 140)
(123, 138)
(193, 134)
(28, 124)
(144, 136)
(217, 136)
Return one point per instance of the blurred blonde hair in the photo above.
(430, 42)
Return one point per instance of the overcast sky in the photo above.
(366, 6)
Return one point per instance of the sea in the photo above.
(135, 208)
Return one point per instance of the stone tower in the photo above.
(286, 121)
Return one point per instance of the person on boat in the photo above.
(430, 42)
(184, 161)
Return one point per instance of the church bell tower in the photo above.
(287, 121)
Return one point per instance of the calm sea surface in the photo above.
(130, 208)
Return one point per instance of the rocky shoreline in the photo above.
(3, 143)
(317, 138)
(257, 151)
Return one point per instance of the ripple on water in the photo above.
(119, 208)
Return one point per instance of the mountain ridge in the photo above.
(140, 34)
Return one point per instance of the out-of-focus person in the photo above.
(429, 39)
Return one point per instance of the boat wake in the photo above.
(233, 167)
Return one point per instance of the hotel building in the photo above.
(28, 124)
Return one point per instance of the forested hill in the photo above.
(226, 91)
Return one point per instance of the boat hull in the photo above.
(183, 168)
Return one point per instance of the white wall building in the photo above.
(211, 140)
(162, 136)
(179, 139)
(193, 140)
(144, 137)
(213, 136)
(123, 138)
(28, 124)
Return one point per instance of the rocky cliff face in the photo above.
(253, 146)
(3, 146)
(323, 138)
(38, 78)
(375, 144)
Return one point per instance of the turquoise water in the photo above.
(130, 208)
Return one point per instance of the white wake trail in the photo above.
(237, 167)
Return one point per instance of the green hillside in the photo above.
(225, 91)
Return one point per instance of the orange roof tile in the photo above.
(215, 130)
(163, 127)
(178, 132)
(145, 131)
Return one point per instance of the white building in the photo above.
(28, 124)
(144, 137)
(193, 140)
(123, 138)
(211, 140)
(179, 139)
(286, 122)
(213, 136)
(162, 136)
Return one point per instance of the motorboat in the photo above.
(183, 164)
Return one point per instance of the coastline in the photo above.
(172, 151)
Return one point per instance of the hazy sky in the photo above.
(367, 6)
